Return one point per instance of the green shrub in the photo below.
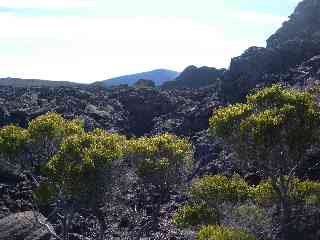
(253, 219)
(264, 194)
(50, 125)
(13, 140)
(194, 215)
(161, 163)
(84, 163)
(272, 132)
(223, 233)
(216, 189)
(300, 192)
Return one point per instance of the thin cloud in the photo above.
(88, 49)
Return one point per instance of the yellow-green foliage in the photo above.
(194, 215)
(50, 125)
(36, 144)
(305, 191)
(227, 120)
(84, 162)
(264, 193)
(161, 159)
(223, 233)
(274, 128)
(216, 189)
(309, 191)
(12, 140)
(53, 126)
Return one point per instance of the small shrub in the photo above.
(223, 233)
(194, 215)
(216, 189)
(161, 163)
(300, 192)
(13, 140)
(253, 219)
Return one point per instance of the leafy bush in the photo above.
(253, 219)
(194, 215)
(13, 143)
(214, 190)
(272, 132)
(83, 164)
(80, 166)
(223, 233)
(161, 163)
(300, 192)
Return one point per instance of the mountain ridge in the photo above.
(158, 76)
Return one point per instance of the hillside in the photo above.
(158, 76)
(22, 83)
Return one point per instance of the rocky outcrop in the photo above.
(193, 77)
(297, 41)
(303, 24)
(23, 225)
(247, 71)
(144, 83)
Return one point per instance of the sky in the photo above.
(91, 40)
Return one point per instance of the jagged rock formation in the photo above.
(193, 77)
(297, 41)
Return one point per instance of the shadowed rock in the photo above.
(23, 226)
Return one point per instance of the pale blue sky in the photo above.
(90, 40)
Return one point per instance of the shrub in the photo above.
(13, 141)
(300, 192)
(194, 215)
(214, 190)
(161, 163)
(272, 132)
(253, 219)
(85, 167)
(223, 233)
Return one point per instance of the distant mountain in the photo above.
(193, 77)
(19, 82)
(158, 76)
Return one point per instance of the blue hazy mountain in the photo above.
(158, 76)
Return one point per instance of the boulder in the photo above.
(23, 225)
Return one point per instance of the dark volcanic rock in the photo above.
(143, 105)
(144, 83)
(297, 41)
(90, 104)
(304, 24)
(23, 226)
(193, 77)
(246, 71)
(193, 110)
